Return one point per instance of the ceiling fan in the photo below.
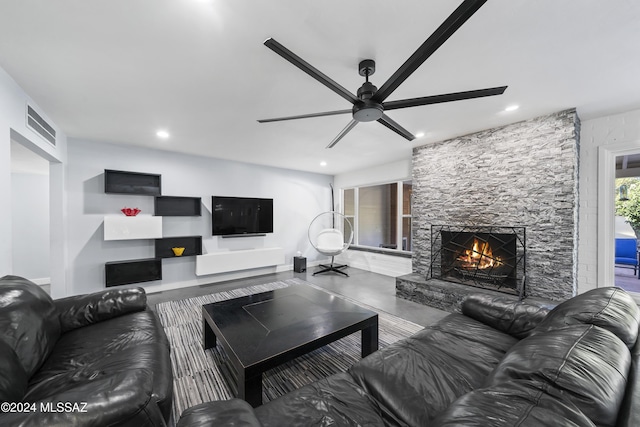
(369, 104)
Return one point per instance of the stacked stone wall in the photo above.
(524, 174)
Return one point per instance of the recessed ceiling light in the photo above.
(419, 134)
(323, 163)
(163, 134)
(512, 108)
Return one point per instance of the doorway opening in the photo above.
(30, 224)
(627, 222)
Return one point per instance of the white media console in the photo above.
(226, 261)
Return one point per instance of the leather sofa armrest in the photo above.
(234, 412)
(111, 399)
(507, 314)
(82, 310)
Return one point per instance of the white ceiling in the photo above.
(118, 70)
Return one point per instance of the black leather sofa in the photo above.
(91, 360)
(499, 363)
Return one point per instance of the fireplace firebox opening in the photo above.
(489, 257)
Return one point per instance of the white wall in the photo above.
(30, 230)
(298, 198)
(615, 132)
(13, 101)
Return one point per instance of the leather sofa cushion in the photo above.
(505, 313)
(28, 321)
(610, 308)
(82, 310)
(585, 364)
(106, 349)
(13, 378)
(232, 412)
(416, 378)
(336, 400)
(516, 403)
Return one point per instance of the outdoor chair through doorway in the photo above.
(627, 254)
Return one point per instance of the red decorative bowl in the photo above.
(130, 211)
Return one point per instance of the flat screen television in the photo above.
(241, 216)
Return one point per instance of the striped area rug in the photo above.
(197, 374)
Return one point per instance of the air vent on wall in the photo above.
(40, 126)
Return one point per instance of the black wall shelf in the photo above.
(192, 246)
(132, 271)
(122, 182)
(147, 270)
(178, 206)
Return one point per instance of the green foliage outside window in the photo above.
(630, 209)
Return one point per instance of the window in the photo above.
(407, 194)
(349, 210)
(380, 215)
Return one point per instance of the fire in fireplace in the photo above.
(486, 257)
(479, 256)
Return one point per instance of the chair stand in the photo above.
(337, 268)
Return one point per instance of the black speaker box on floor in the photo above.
(299, 264)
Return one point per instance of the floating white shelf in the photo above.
(132, 227)
(225, 261)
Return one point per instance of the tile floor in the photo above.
(372, 289)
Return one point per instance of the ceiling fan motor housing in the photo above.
(366, 91)
(367, 110)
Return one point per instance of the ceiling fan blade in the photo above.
(439, 36)
(309, 69)
(305, 116)
(342, 133)
(388, 122)
(446, 97)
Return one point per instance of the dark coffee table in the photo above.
(261, 331)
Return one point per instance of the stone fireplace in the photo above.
(524, 175)
(482, 256)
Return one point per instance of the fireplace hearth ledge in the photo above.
(441, 294)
